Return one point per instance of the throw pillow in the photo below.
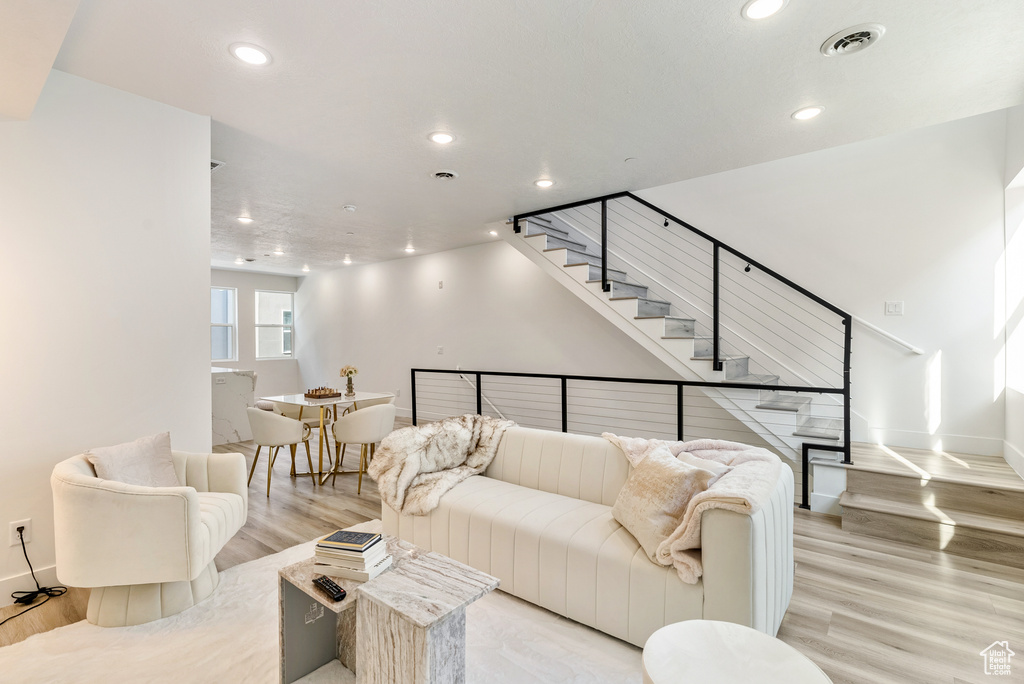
(652, 502)
(146, 461)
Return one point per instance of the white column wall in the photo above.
(1014, 269)
(274, 376)
(105, 216)
(915, 217)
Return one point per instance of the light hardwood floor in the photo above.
(867, 611)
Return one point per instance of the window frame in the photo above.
(233, 325)
(290, 327)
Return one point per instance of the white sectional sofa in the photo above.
(540, 520)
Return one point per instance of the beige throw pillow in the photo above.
(654, 498)
(146, 461)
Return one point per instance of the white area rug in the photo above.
(232, 637)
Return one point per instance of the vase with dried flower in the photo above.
(347, 372)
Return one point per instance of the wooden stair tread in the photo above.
(980, 471)
(945, 516)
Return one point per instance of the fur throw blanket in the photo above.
(415, 466)
(749, 483)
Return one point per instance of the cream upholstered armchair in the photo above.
(146, 552)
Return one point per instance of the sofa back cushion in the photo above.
(586, 468)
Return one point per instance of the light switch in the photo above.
(440, 349)
(440, 284)
(894, 308)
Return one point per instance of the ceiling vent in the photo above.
(214, 165)
(445, 174)
(853, 39)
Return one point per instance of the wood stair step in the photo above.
(982, 537)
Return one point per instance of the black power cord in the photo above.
(26, 597)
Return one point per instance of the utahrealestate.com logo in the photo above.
(997, 658)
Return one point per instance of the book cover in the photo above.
(372, 547)
(346, 539)
(357, 575)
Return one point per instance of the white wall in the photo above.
(1014, 270)
(105, 215)
(497, 311)
(274, 376)
(916, 217)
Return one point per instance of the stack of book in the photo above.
(359, 556)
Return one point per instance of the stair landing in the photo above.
(964, 504)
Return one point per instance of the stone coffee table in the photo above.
(406, 625)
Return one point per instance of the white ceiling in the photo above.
(531, 88)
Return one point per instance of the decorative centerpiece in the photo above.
(347, 372)
(322, 393)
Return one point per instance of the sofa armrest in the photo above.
(748, 561)
(110, 533)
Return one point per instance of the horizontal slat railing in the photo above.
(588, 404)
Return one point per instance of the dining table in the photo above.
(323, 406)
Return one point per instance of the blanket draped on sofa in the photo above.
(415, 466)
(751, 479)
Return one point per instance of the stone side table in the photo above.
(406, 625)
(411, 622)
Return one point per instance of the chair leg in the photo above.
(309, 459)
(254, 459)
(294, 449)
(270, 467)
(362, 462)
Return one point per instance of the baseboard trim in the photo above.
(964, 444)
(1014, 457)
(47, 578)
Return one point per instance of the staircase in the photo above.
(962, 504)
(662, 296)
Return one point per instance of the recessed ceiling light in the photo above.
(807, 113)
(494, 233)
(441, 137)
(409, 249)
(350, 233)
(279, 252)
(349, 207)
(543, 183)
(244, 219)
(761, 9)
(348, 260)
(250, 54)
(445, 174)
(239, 261)
(305, 269)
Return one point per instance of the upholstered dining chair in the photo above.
(365, 403)
(275, 431)
(364, 427)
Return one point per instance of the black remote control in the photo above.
(330, 587)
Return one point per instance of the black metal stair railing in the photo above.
(735, 294)
(561, 407)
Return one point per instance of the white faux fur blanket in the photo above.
(750, 481)
(415, 466)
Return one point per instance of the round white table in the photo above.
(724, 653)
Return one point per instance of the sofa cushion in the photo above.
(146, 461)
(564, 554)
(654, 498)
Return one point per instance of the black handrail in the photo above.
(718, 246)
(678, 384)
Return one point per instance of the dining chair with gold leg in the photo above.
(339, 448)
(366, 427)
(275, 431)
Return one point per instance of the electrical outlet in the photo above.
(440, 350)
(220, 381)
(398, 393)
(440, 284)
(15, 541)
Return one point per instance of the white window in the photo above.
(223, 324)
(274, 324)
